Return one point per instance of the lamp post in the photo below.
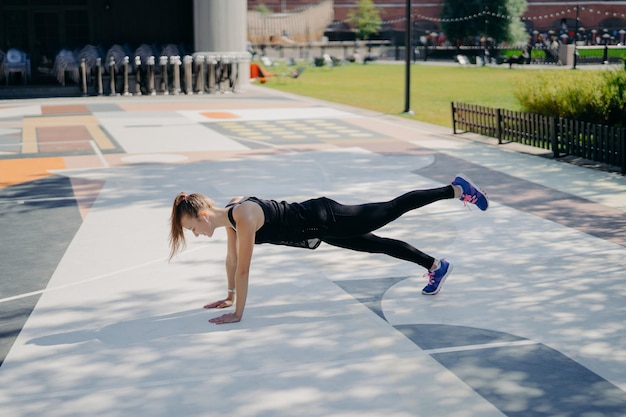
(576, 38)
(605, 39)
(407, 61)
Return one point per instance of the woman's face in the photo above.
(200, 225)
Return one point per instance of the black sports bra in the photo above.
(230, 211)
(285, 224)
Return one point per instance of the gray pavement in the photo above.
(95, 321)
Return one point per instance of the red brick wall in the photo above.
(540, 14)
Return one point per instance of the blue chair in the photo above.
(2, 56)
(16, 61)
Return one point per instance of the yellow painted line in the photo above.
(99, 136)
(30, 125)
(29, 136)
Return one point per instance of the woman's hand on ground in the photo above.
(220, 304)
(226, 318)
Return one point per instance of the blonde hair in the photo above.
(185, 205)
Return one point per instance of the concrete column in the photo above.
(566, 54)
(221, 29)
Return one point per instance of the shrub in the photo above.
(589, 96)
(616, 94)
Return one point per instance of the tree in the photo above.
(365, 19)
(462, 20)
(262, 8)
(517, 29)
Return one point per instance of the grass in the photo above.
(599, 53)
(381, 87)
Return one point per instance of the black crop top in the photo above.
(292, 224)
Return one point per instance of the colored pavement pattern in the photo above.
(95, 321)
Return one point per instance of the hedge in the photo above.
(588, 96)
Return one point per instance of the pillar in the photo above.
(221, 29)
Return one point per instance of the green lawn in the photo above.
(381, 87)
(599, 53)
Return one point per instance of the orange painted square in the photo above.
(65, 109)
(17, 171)
(63, 138)
(219, 115)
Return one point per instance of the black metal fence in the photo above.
(599, 143)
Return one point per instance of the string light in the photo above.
(484, 13)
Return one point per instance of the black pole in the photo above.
(576, 38)
(407, 60)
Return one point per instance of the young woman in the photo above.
(249, 221)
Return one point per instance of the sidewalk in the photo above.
(530, 323)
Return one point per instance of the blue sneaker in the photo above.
(471, 193)
(437, 277)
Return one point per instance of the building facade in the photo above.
(42, 28)
(540, 15)
(39, 32)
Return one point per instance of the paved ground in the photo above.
(96, 322)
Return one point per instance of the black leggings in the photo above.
(354, 224)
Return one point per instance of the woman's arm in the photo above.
(231, 267)
(231, 260)
(248, 217)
